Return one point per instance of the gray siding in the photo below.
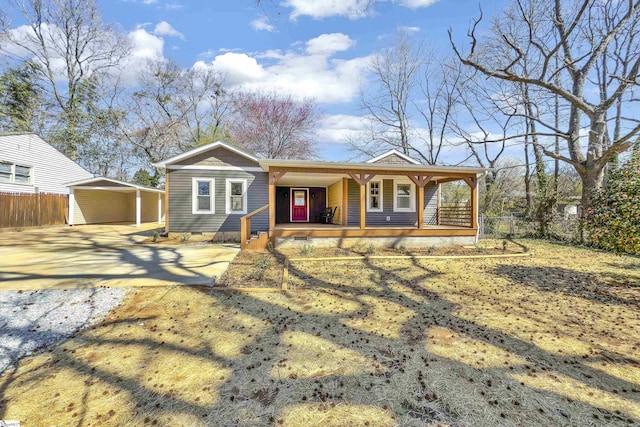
(51, 170)
(180, 201)
(393, 159)
(219, 156)
(396, 218)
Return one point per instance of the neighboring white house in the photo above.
(28, 164)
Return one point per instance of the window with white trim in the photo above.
(15, 174)
(22, 174)
(236, 196)
(203, 196)
(374, 196)
(6, 172)
(404, 199)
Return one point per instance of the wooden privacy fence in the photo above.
(455, 215)
(28, 210)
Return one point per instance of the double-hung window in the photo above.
(15, 174)
(6, 172)
(404, 197)
(374, 196)
(236, 196)
(203, 196)
(22, 174)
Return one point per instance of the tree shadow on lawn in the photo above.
(383, 343)
(601, 287)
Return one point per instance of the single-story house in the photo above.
(33, 175)
(390, 200)
(105, 200)
(39, 185)
(29, 164)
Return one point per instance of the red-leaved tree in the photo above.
(274, 126)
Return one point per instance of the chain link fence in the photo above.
(517, 226)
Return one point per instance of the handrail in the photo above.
(454, 215)
(245, 225)
(257, 211)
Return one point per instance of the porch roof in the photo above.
(339, 167)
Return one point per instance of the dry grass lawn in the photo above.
(551, 339)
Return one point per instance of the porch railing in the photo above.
(245, 226)
(455, 215)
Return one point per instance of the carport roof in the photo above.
(111, 184)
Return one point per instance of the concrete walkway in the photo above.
(104, 255)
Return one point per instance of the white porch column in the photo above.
(138, 204)
(72, 205)
(159, 208)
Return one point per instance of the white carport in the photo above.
(105, 200)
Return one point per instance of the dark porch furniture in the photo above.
(327, 216)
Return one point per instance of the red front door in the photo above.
(299, 204)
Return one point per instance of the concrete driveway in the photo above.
(104, 255)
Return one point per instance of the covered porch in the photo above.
(360, 201)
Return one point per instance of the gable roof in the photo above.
(98, 179)
(390, 153)
(202, 149)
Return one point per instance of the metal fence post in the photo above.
(511, 229)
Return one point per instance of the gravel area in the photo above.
(33, 320)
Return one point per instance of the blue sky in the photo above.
(314, 48)
(318, 48)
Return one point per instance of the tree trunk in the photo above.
(527, 177)
(591, 183)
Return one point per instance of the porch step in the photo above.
(258, 241)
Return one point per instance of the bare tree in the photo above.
(208, 104)
(484, 121)
(440, 97)
(274, 126)
(69, 42)
(396, 71)
(412, 101)
(566, 40)
(613, 63)
(171, 110)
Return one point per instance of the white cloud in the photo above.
(163, 28)
(319, 9)
(262, 24)
(145, 47)
(173, 6)
(239, 68)
(415, 4)
(342, 128)
(309, 73)
(313, 73)
(411, 29)
(22, 35)
(327, 44)
(353, 9)
(149, 1)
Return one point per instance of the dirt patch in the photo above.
(180, 239)
(485, 247)
(253, 269)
